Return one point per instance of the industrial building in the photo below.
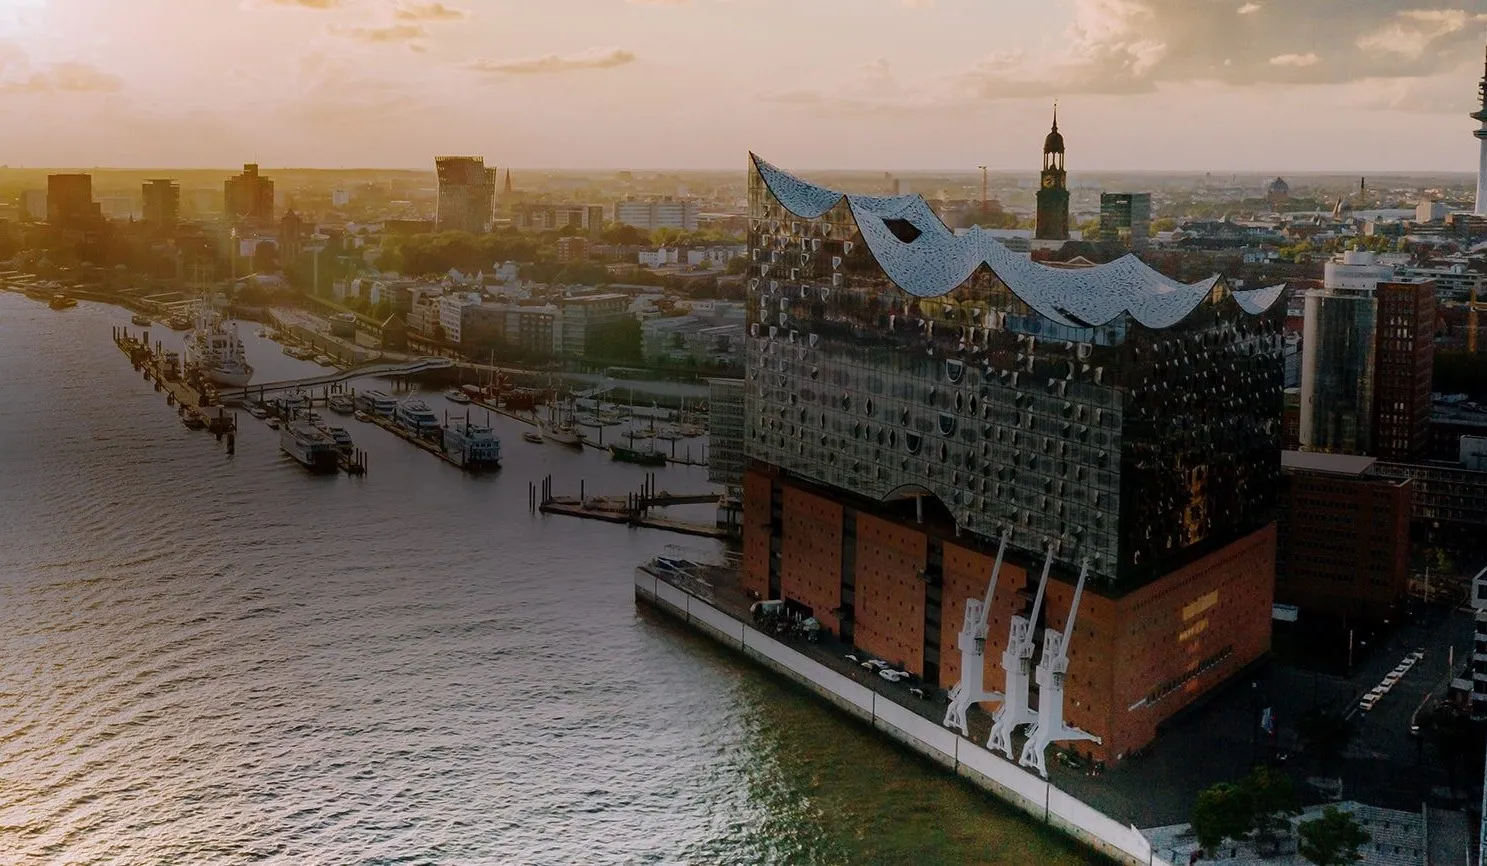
(925, 410)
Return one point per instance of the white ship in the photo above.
(216, 350)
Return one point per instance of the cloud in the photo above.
(381, 34)
(19, 76)
(594, 59)
(306, 4)
(433, 11)
(1135, 46)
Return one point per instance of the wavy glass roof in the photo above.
(938, 260)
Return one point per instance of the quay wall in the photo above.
(1025, 791)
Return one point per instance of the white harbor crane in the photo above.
(972, 686)
(1050, 726)
(1017, 662)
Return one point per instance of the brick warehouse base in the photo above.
(897, 589)
(992, 773)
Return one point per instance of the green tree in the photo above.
(1273, 803)
(1223, 811)
(738, 266)
(1165, 224)
(1331, 840)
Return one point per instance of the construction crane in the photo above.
(972, 686)
(1471, 323)
(1017, 663)
(1050, 726)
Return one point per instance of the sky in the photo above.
(1191, 85)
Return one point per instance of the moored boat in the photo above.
(215, 349)
(455, 395)
(60, 301)
(471, 446)
(325, 360)
(140, 320)
(534, 438)
(362, 416)
(639, 456)
(341, 404)
(416, 417)
(562, 433)
(342, 437)
(312, 447)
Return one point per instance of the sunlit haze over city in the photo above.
(895, 84)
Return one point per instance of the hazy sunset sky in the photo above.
(1346, 85)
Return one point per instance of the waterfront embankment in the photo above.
(689, 601)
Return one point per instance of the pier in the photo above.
(423, 443)
(195, 400)
(632, 509)
(408, 368)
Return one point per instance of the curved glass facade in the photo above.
(1124, 443)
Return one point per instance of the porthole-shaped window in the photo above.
(903, 416)
(913, 441)
(802, 416)
(857, 430)
(815, 372)
(880, 435)
(971, 404)
(970, 461)
(934, 396)
(944, 452)
(867, 407)
(892, 438)
(794, 398)
(954, 370)
(960, 401)
(947, 424)
(846, 402)
(823, 420)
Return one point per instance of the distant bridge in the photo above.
(407, 368)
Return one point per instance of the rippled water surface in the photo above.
(207, 659)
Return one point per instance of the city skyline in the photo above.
(693, 84)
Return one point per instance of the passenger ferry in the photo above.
(472, 446)
(376, 403)
(342, 437)
(415, 416)
(313, 448)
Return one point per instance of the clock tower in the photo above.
(1053, 192)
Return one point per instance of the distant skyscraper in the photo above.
(1480, 115)
(162, 204)
(69, 201)
(1125, 217)
(1053, 193)
(249, 197)
(467, 194)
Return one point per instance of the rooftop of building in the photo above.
(937, 260)
(1330, 464)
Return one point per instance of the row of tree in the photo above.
(1260, 807)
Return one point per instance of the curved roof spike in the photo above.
(938, 260)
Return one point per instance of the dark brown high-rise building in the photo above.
(162, 204)
(69, 201)
(1343, 539)
(1404, 358)
(249, 197)
(291, 237)
(467, 194)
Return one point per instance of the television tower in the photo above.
(1480, 115)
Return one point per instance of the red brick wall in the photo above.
(811, 555)
(1161, 633)
(889, 593)
(965, 575)
(755, 572)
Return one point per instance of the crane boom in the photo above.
(972, 686)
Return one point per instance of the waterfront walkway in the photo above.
(409, 368)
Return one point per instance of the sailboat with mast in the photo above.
(560, 429)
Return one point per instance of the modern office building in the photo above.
(69, 201)
(467, 194)
(914, 396)
(1343, 537)
(162, 204)
(1368, 347)
(668, 213)
(249, 198)
(1125, 218)
(1053, 189)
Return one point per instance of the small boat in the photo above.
(273, 423)
(325, 360)
(563, 434)
(257, 411)
(193, 420)
(141, 321)
(455, 395)
(341, 404)
(60, 301)
(362, 416)
(534, 438)
(668, 433)
(638, 456)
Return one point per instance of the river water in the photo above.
(209, 659)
